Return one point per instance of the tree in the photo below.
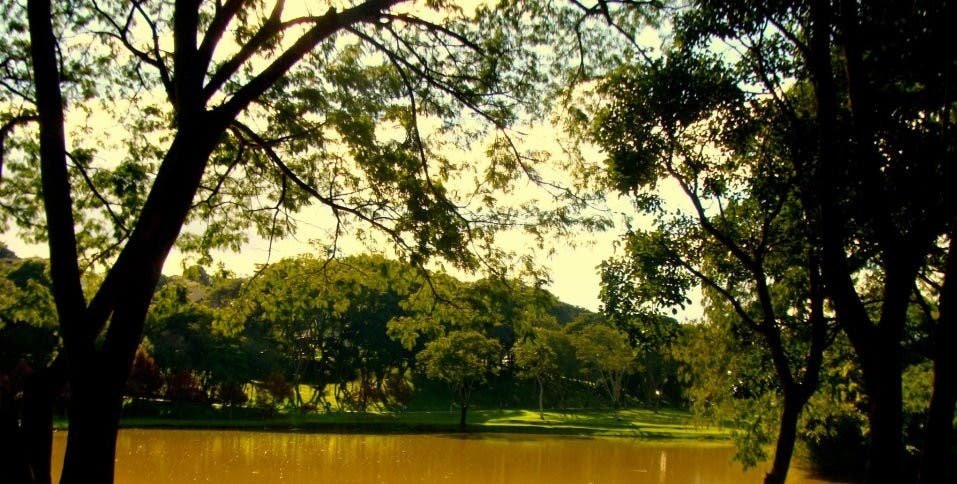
(326, 320)
(729, 378)
(856, 94)
(545, 356)
(28, 343)
(196, 354)
(236, 115)
(463, 360)
(605, 356)
(872, 102)
(632, 308)
(682, 120)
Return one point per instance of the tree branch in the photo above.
(55, 178)
(325, 27)
(269, 29)
(217, 27)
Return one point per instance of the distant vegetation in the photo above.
(356, 334)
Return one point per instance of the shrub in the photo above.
(145, 380)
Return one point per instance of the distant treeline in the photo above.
(356, 333)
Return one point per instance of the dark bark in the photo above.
(97, 381)
(91, 441)
(541, 398)
(935, 463)
(57, 201)
(14, 464)
(38, 400)
(465, 409)
(787, 432)
(64, 269)
(885, 416)
(878, 347)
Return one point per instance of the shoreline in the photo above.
(665, 425)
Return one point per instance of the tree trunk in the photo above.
(541, 394)
(38, 397)
(787, 433)
(885, 417)
(13, 456)
(94, 413)
(465, 409)
(935, 462)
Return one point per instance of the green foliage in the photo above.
(325, 321)
(605, 357)
(462, 359)
(547, 354)
(28, 331)
(730, 382)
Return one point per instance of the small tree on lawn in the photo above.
(545, 357)
(606, 357)
(463, 360)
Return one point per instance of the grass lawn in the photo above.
(634, 423)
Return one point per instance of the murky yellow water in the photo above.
(235, 457)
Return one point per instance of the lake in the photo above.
(236, 457)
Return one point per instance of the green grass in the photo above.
(634, 423)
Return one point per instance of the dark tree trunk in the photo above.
(38, 399)
(541, 398)
(885, 416)
(784, 448)
(465, 409)
(13, 456)
(935, 463)
(94, 413)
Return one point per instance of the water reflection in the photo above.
(161, 456)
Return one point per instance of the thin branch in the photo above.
(106, 203)
(436, 28)
(270, 28)
(222, 179)
(725, 293)
(243, 130)
(122, 34)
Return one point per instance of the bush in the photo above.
(231, 393)
(145, 380)
(277, 388)
(837, 446)
(184, 386)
